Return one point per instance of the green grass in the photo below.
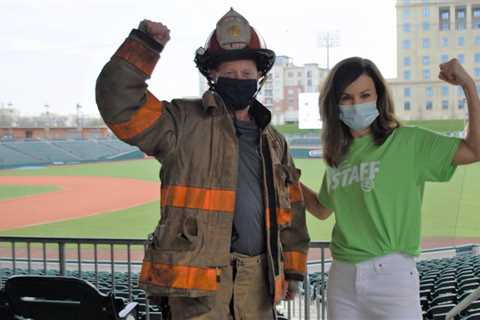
(15, 191)
(292, 128)
(443, 202)
(435, 125)
(135, 169)
(134, 222)
(438, 125)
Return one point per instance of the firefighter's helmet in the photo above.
(234, 39)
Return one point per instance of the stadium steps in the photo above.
(44, 150)
(33, 157)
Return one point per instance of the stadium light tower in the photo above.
(47, 113)
(329, 40)
(79, 124)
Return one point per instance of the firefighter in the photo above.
(232, 239)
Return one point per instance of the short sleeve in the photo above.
(434, 155)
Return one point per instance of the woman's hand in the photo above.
(313, 205)
(454, 73)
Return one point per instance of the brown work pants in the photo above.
(242, 294)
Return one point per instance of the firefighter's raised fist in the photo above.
(157, 30)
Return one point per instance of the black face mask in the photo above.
(236, 93)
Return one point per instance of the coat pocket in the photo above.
(285, 176)
(177, 235)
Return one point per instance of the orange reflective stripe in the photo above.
(295, 261)
(182, 277)
(284, 216)
(267, 218)
(199, 198)
(138, 54)
(279, 288)
(141, 120)
(295, 193)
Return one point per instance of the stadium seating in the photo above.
(443, 284)
(10, 157)
(103, 282)
(32, 297)
(304, 141)
(43, 152)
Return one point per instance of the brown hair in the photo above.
(336, 136)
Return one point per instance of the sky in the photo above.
(52, 51)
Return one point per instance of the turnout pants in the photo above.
(242, 294)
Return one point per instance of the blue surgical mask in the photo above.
(359, 116)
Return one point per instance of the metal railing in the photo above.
(82, 257)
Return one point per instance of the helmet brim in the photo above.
(264, 59)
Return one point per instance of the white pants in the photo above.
(385, 287)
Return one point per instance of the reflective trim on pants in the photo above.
(242, 294)
(385, 287)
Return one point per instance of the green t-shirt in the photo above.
(377, 191)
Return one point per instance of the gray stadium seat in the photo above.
(32, 297)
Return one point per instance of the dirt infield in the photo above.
(85, 196)
(78, 197)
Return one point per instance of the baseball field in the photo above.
(121, 200)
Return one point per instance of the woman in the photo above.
(374, 182)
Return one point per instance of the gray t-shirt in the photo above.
(248, 235)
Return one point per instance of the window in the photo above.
(406, 105)
(444, 58)
(426, 60)
(309, 82)
(428, 91)
(406, 27)
(406, 13)
(309, 74)
(425, 26)
(445, 91)
(477, 57)
(461, 41)
(290, 74)
(460, 92)
(461, 103)
(476, 17)
(477, 72)
(426, 11)
(444, 18)
(477, 40)
(460, 18)
(406, 44)
(426, 74)
(425, 43)
(407, 61)
(444, 42)
(299, 74)
(444, 104)
(406, 75)
(461, 58)
(406, 92)
(429, 105)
